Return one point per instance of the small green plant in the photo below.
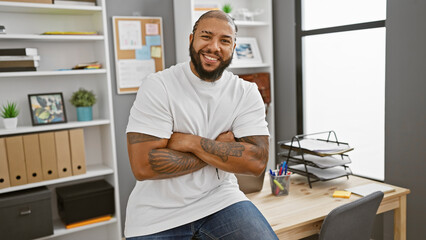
(83, 98)
(10, 110)
(227, 8)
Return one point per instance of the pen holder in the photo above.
(280, 185)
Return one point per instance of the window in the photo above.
(341, 76)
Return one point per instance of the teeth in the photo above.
(210, 58)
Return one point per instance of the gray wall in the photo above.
(122, 103)
(405, 122)
(284, 70)
(405, 95)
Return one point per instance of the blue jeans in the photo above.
(240, 221)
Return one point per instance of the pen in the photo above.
(285, 169)
(278, 184)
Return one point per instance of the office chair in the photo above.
(352, 221)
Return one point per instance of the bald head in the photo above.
(218, 14)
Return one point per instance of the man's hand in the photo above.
(182, 142)
(226, 137)
(247, 155)
(151, 159)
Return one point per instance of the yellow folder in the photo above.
(16, 161)
(63, 154)
(4, 166)
(78, 155)
(48, 155)
(33, 158)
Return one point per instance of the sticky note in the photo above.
(143, 53)
(341, 194)
(153, 40)
(151, 29)
(156, 52)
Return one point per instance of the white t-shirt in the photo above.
(176, 100)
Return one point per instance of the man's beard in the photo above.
(202, 73)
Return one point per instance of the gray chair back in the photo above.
(352, 221)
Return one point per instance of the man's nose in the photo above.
(214, 45)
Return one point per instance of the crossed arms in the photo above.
(158, 158)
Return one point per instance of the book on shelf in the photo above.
(91, 65)
(69, 33)
(18, 51)
(18, 69)
(29, 1)
(20, 58)
(75, 2)
(25, 63)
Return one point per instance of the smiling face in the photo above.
(211, 49)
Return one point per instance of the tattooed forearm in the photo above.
(221, 149)
(261, 145)
(139, 138)
(166, 161)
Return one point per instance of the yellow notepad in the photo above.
(341, 194)
(89, 221)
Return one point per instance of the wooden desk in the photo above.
(301, 213)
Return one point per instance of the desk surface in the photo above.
(301, 213)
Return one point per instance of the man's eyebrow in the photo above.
(211, 33)
(208, 32)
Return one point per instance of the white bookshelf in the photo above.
(260, 28)
(53, 37)
(24, 24)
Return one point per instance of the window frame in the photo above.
(299, 53)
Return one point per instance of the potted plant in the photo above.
(9, 113)
(227, 8)
(83, 100)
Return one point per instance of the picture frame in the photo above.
(246, 52)
(47, 108)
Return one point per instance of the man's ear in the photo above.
(191, 36)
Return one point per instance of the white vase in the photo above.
(10, 123)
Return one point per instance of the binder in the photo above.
(19, 51)
(63, 154)
(33, 158)
(4, 166)
(78, 155)
(48, 155)
(16, 160)
(18, 69)
(24, 63)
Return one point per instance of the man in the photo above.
(191, 127)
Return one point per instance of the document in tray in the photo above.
(366, 189)
(321, 146)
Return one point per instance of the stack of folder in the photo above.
(19, 59)
(76, 2)
(44, 156)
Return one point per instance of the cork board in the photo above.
(138, 48)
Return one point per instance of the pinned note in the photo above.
(151, 29)
(156, 51)
(143, 53)
(153, 40)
